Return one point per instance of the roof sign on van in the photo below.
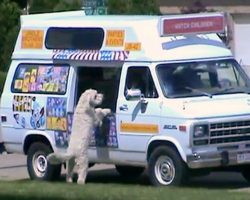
(192, 24)
(132, 46)
(115, 38)
(32, 39)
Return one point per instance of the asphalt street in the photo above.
(13, 167)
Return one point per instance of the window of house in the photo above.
(40, 79)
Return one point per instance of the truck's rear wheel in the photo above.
(129, 171)
(37, 164)
(166, 167)
(246, 173)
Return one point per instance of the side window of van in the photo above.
(40, 79)
(90, 38)
(141, 78)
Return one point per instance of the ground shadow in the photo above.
(216, 180)
(16, 197)
(219, 180)
(111, 176)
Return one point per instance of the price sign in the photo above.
(115, 38)
(132, 46)
(32, 39)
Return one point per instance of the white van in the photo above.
(188, 111)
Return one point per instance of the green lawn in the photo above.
(2, 80)
(32, 190)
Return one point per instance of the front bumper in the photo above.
(218, 159)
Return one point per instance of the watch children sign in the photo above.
(193, 25)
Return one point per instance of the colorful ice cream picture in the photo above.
(56, 113)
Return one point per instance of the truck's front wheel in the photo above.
(166, 167)
(37, 164)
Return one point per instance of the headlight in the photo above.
(200, 131)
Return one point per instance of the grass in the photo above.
(2, 80)
(107, 185)
(31, 190)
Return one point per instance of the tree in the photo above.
(64, 5)
(43, 6)
(9, 20)
(21, 3)
(196, 7)
(133, 7)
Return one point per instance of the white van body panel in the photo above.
(136, 125)
(156, 49)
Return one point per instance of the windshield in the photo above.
(207, 78)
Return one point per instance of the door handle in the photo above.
(123, 107)
(3, 118)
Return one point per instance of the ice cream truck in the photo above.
(180, 101)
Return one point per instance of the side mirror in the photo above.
(133, 94)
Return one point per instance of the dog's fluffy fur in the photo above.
(86, 117)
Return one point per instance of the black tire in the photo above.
(166, 167)
(246, 173)
(91, 165)
(129, 171)
(37, 165)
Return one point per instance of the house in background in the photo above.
(230, 6)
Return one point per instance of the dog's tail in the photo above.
(58, 158)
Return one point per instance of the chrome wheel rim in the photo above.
(40, 164)
(165, 170)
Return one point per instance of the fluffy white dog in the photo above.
(86, 117)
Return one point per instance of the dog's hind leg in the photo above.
(82, 160)
(82, 168)
(70, 170)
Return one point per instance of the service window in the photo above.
(141, 78)
(103, 79)
(40, 79)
